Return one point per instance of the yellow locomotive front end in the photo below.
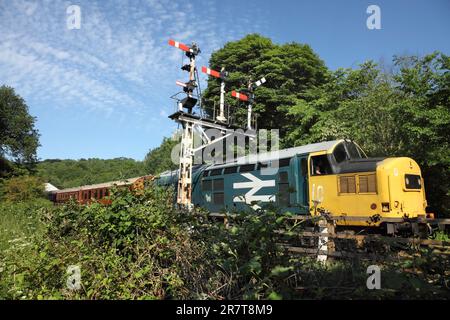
(362, 191)
(401, 186)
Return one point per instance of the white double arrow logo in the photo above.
(255, 184)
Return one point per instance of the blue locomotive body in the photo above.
(280, 178)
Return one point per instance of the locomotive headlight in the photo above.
(385, 206)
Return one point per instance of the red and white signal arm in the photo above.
(239, 96)
(211, 72)
(179, 45)
(181, 84)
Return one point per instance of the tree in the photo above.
(23, 188)
(159, 159)
(406, 113)
(18, 137)
(73, 173)
(290, 70)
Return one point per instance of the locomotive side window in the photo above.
(261, 165)
(247, 168)
(284, 162)
(216, 172)
(206, 185)
(320, 165)
(218, 196)
(229, 170)
(304, 167)
(283, 189)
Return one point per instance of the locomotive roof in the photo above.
(261, 157)
(281, 154)
(100, 185)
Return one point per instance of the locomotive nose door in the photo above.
(301, 182)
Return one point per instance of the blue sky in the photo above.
(103, 90)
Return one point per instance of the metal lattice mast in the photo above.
(190, 121)
(187, 139)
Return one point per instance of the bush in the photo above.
(139, 247)
(23, 188)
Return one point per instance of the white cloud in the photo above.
(119, 60)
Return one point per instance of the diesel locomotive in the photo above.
(332, 177)
(335, 177)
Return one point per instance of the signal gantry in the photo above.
(191, 121)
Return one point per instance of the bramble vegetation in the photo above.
(141, 247)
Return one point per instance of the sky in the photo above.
(103, 90)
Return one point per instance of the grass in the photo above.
(19, 222)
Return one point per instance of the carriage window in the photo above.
(106, 192)
(205, 173)
(339, 153)
(320, 165)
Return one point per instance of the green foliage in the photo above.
(139, 247)
(23, 188)
(73, 173)
(253, 265)
(406, 113)
(159, 159)
(290, 70)
(20, 222)
(18, 137)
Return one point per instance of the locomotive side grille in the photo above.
(367, 184)
(347, 184)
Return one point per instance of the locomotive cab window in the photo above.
(413, 182)
(339, 153)
(320, 165)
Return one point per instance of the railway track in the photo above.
(323, 241)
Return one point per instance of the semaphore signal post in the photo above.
(190, 121)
